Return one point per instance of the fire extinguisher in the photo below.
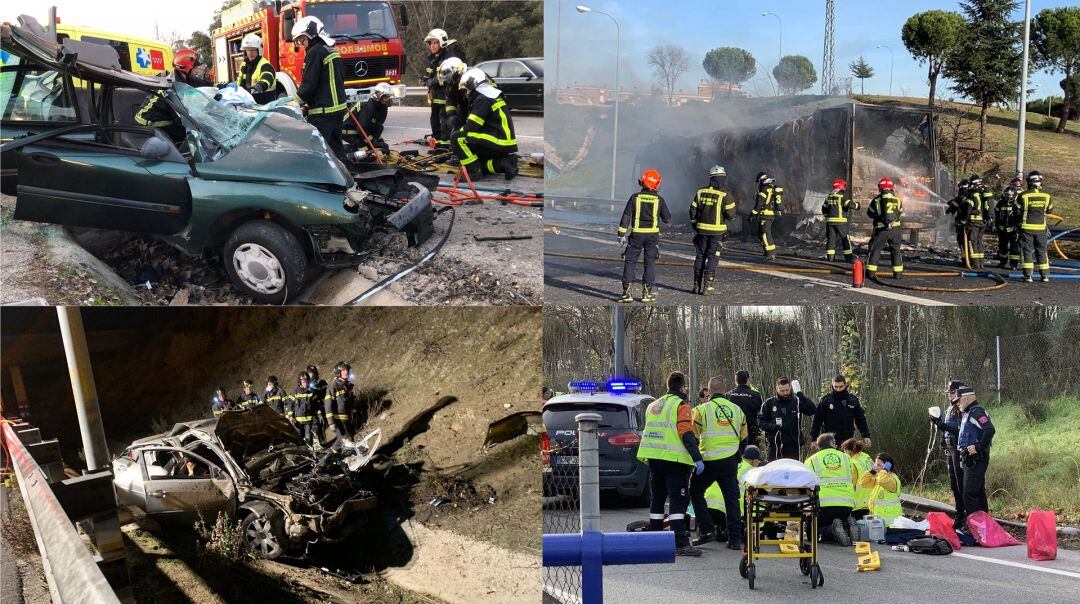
(857, 272)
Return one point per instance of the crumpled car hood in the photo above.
(280, 149)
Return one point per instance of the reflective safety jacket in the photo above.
(489, 121)
(1034, 206)
(884, 495)
(322, 85)
(885, 210)
(835, 208)
(156, 113)
(277, 400)
(218, 406)
(431, 75)
(660, 437)
(709, 209)
(974, 208)
(768, 203)
(836, 478)
(247, 401)
(722, 427)
(862, 463)
(301, 406)
(341, 394)
(371, 115)
(643, 213)
(1007, 212)
(258, 74)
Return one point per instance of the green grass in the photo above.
(1033, 463)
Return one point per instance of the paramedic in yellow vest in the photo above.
(835, 210)
(721, 427)
(836, 488)
(855, 448)
(639, 232)
(257, 75)
(1034, 206)
(710, 209)
(670, 448)
(714, 497)
(885, 489)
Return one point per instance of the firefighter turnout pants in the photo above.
(725, 473)
(885, 237)
(646, 245)
(329, 126)
(1008, 247)
(975, 244)
(338, 418)
(708, 253)
(768, 244)
(836, 238)
(474, 152)
(670, 480)
(1035, 256)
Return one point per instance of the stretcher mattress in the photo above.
(786, 473)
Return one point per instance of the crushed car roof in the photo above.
(97, 63)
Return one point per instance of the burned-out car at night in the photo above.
(259, 186)
(253, 466)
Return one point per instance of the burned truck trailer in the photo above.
(857, 142)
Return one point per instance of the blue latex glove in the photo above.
(699, 467)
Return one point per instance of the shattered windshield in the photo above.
(228, 124)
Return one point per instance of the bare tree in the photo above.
(669, 61)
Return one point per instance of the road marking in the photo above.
(816, 280)
(1019, 565)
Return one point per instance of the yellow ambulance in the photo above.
(137, 55)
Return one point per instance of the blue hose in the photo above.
(1011, 275)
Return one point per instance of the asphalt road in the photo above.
(586, 281)
(410, 123)
(972, 574)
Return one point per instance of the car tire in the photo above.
(263, 530)
(265, 261)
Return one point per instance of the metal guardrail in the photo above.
(70, 568)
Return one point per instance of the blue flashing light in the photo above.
(584, 386)
(622, 386)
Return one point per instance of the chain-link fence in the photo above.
(562, 514)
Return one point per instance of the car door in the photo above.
(171, 493)
(515, 81)
(104, 177)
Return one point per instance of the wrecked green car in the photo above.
(258, 186)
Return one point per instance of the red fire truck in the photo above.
(366, 33)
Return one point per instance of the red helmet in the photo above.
(885, 184)
(650, 179)
(185, 60)
(839, 185)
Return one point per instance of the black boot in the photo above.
(509, 166)
(704, 538)
(647, 294)
(698, 289)
(709, 287)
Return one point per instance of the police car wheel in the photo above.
(265, 261)
(263, 531)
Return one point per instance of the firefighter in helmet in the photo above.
(249, 399)
(885, 210)
(221, 403)
(1034, 205)
(372, 117)
(975, 214)
(835, 209)
(457, 105)
(275, 397)
(156, 112)
(485, 144)
(953, 207)
(322, 85)
(257, 75)
(768, 206)
(710, 209)
(639, 232)
(338, 406)
(440, 48)
(301, 411)
(1006, 215)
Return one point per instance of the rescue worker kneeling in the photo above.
(457, 104)
(709, 211)
(717, 504)
(639, 233)
(720, 426)
(372, 117)
(836, 487)
(257, 75)
(885, 489)
(670, 449)
(486, 143)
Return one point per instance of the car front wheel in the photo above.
(265, 261)
(263, 531)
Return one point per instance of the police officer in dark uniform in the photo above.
(338, 406)
(835, 210)
(322, 84)
(973, 444)
(248, 399)
(768, 206)
(639, 232)
(710, 208)
(1006, 221)
(885, 210)
(840, 412)
(318, 387)
(780, 419)
(949, 425)
(221, 403)
(301, 410)
(748, 399)
(275, 397)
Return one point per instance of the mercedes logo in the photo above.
(361, 68)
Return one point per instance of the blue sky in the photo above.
(587, 41)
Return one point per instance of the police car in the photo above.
(621, 407)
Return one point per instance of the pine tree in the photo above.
(862, 70)
(985, 65)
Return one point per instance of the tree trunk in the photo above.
(982, 126)
(1065, 101)
(862, 85)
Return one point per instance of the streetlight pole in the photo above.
(781, 43)
(1023, 92)
(615, 136)
(890, 65)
